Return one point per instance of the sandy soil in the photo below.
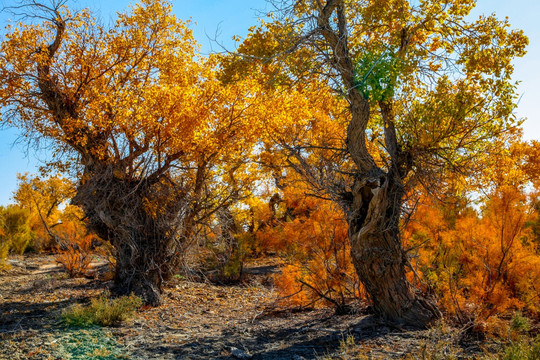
(197, 321)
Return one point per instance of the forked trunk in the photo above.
(378, 257)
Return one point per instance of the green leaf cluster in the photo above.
(376, 75)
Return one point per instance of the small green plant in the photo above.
(522, 350)
(377, 74)
(520, 323)
(102, 311)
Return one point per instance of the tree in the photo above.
(149, 132)
(42, 199)
(15, 232)
(426, 92)
(56, 225)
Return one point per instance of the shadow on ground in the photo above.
(308, 339)
(23, 315)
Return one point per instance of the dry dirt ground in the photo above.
(197, 321)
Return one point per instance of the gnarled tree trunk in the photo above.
(139, 219)
(378, 257)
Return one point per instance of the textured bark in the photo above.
(135, 274)
(143, 235)
(378, 257)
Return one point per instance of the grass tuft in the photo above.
(102, 311)
(523, 350)
(520, 323)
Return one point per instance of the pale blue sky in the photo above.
(227, 18)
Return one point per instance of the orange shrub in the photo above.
(311, 236)
(479, 266)
(74, 249)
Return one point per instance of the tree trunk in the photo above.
(373, 206)
(140, 220)
(373, 216)
(137, 271)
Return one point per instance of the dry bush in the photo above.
(311, 236)
(482, 267)
(225, 249)
(74, 249)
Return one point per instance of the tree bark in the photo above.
(139, 219)
(137, 272)
(379, 260)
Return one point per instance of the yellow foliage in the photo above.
(135, 97)
(291, 290)
(15, 232)
(45, 199)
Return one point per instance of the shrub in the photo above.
(15, 233)
(311, 236)
(520, 323)
(74, 248)
(479, 264)
(522, 350)
(102, 311)
(4, 249)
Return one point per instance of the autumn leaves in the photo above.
(361, 103)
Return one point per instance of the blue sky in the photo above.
(227, 18)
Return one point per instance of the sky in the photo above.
(218, 19)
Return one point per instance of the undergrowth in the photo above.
(102, 311)
(523, 349)
(445, 342)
